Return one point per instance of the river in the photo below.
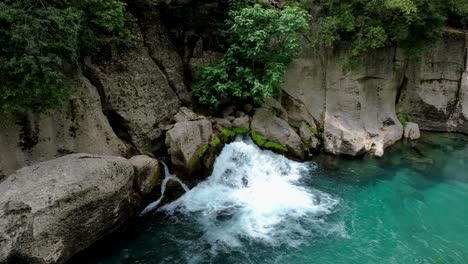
(258, 207)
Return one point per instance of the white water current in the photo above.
(254, 196)
(167, 177)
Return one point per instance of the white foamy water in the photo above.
(167, 177)
(255, 196)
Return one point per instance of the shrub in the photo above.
(403, 118)
(261, 41)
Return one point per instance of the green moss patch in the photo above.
(228, 133)
(271, 145)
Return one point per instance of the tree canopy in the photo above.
(261, 41)
(371, 24)
(37, 37)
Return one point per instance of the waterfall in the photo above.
(167, 177)
(252, 196)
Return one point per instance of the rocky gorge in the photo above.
(94, 162)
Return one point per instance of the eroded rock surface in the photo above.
(54, 209)
(186, 142)
(272, 127)
(148, 176)
(79, 126)
(412, 131)
(135, 92)
(434, 92)
(355, 108)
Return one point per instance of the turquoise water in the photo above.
(409, 207)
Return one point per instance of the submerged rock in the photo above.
(54, 209)
(412, 131)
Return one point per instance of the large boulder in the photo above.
(148, 176)
(273, 128)
(54, 209)
(136, 95)
(186, 143)
(78, 126)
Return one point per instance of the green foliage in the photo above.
(263, 143)
(319, 132)
(404, 119)
(261, 41)
(38, 39)
(373, 24)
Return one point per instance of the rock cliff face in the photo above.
(435, 88)
(79, 126)
(358, 109)
(135, 93)
(130, 94)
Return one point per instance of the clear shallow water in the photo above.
(409, 207)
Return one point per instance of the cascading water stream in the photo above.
(167, 177)
(254, 195)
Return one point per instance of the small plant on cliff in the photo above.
(39, 38)
(261, 40)
(403, 118)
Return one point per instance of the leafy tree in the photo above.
(260, 42)
(39, 37)
(371, 24)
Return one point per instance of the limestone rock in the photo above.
(161, 49)
(54, 209)
(135, 92)
(344, 136)
(241, 122)
(184, 114)
(297, 112)
(147, 175)
(356, 107)
(78, 126)
(412, 131)
(309, 139)
(276, 108)
(221, 123)
(276, 129)
(432, 93)
(185, 142)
